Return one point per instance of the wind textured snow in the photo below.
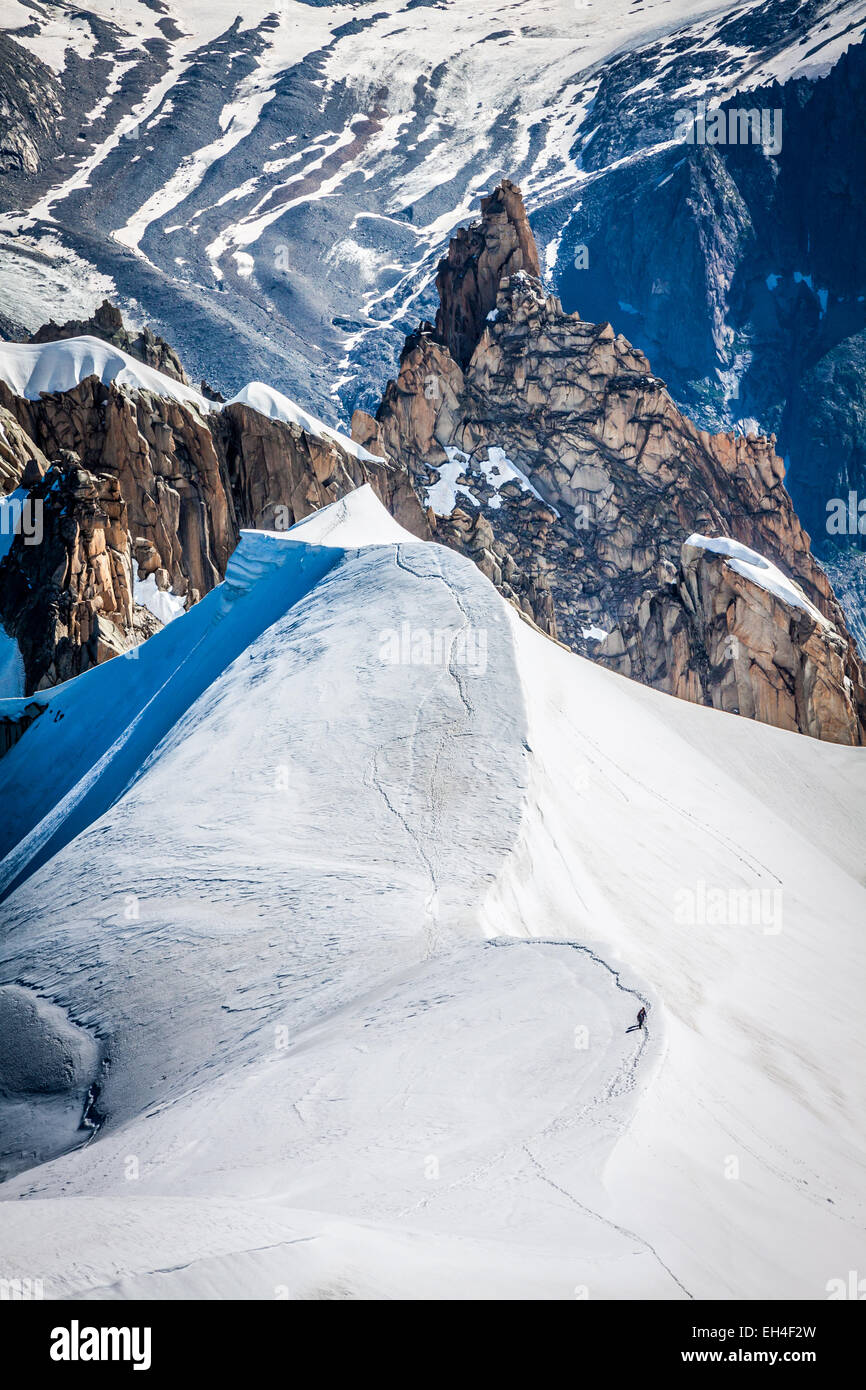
(343, 938)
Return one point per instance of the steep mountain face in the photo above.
(558, 434)
(478, 257)
(31, 112)
(738, 266)
(541, 446)
(141, 495)
(825, 424)
(286, 181)
(21, 460)
(163, 454)
(279, 472)
(731, 631)
(68, 601)
(739, 269)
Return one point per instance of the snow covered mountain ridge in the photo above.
(360, 940)
(31, 369)
(407, 911)
(283, 183)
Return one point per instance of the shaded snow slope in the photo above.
(98, 729)
(360, 936)
(12, 674)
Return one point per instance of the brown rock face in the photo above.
(278, 473)
(141, 485)
(67, 597)
(555, 457)
(720, 638)
(420, 411)
(164, 458)
(21, 461)
(478, 257)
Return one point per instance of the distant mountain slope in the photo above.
(282, 184)
(285, 182)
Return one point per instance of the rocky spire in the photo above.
(547, 450)
(478, 257)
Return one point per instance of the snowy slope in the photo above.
(129, 704)
(31, 368)
(276, 406)
(360, 927)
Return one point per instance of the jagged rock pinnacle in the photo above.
(478, 257)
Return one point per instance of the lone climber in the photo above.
(641, 1020)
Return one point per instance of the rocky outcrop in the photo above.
(129, 484)
(717, 635)
(68, 597)
(107, 323)
(164, 457)
(21, 460)
(478, 257)
(430, 385)
(278, 473)
(559, 446)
